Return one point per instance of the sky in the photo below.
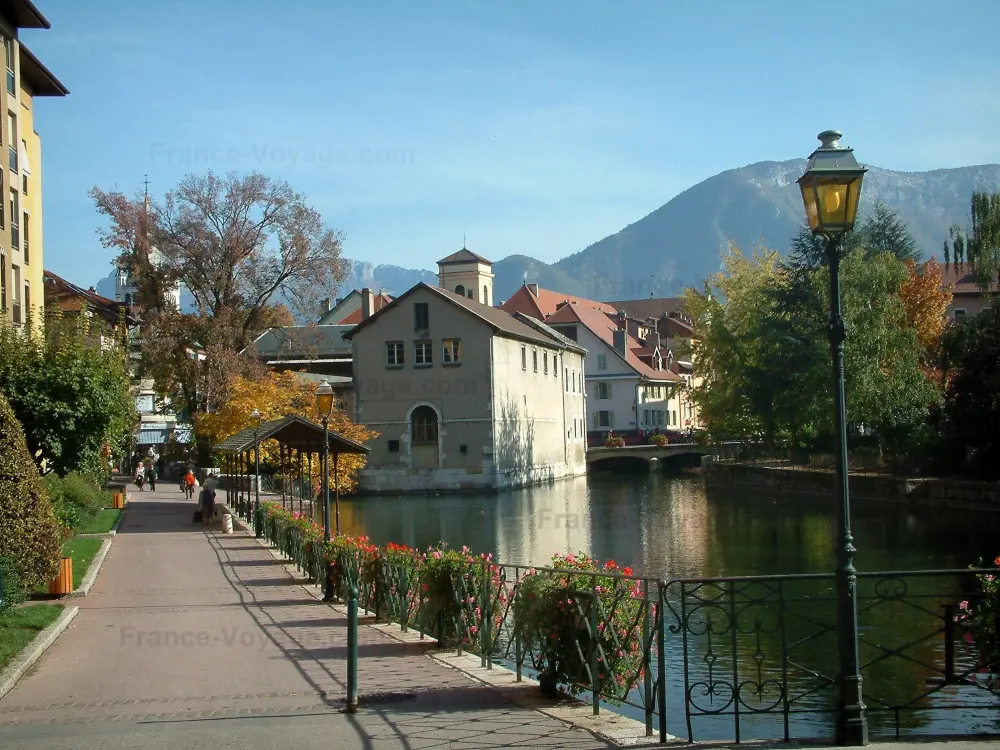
(527, 127)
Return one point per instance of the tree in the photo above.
(72, 398)
(980, 248)
(881, 231)
(972, 402)
(30, 536)
(925, 299)
(277, 395)
(248, 248)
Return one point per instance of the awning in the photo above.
(152, 436)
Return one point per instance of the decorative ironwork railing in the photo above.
(738, 658)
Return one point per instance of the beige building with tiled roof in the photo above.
(464, 395)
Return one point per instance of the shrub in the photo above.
(11, 587)
(981, 618)
(658, 439)
(30, 535)
(76, 498)
(614, 441)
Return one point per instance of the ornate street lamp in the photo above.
(257, 524)
(324, 405)
(831, 188)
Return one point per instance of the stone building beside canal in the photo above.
(464, 395)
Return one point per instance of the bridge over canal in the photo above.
(654, 456)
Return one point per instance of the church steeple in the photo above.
(467, 274)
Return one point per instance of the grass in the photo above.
(19, 627)
(102, 523)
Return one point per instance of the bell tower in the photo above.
(467, 274)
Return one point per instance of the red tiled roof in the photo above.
(541, 303)
(603, 326)
(961, 278)
(643, 309)
(381, 300)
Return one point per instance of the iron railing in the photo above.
(738, 658)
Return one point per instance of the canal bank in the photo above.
(914, 491)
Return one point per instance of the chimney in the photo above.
(367, 303)
(533, 288)
(621, 342)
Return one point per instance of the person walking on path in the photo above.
(207, 503)
(189, 484)
(151, 477)
(140, 476)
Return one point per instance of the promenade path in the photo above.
(198, 639)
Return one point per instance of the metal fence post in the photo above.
(595, 689)
(649, 701)
(661, 657)
(352, 649)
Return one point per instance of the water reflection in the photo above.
(670, 526)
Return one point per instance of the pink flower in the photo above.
(963, 605)
(437, 554)
(473, 630)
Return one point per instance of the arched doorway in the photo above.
(424, 438)
(460, 290)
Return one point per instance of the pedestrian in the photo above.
(140, 476)
(151, 477)
(189, 483)
(206, 501)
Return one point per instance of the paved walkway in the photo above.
(185, 625)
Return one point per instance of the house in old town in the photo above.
(464, 395)
(353, 308)
(967, 296)
(110, 320)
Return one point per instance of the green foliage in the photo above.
(761, 347)
(972, 402)
(76, 498)
(981, 617)
(11, 586)
(72, 398)
(30, 535)
(20, 626)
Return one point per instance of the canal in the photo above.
(671, 526)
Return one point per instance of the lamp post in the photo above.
(257, 526)
(324, 405)
(831, 188)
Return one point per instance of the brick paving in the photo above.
(184, 624)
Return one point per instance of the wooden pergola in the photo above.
(298, 441)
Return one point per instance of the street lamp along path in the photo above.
(324, 406)
(831, 192)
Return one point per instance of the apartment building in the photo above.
(22, 286)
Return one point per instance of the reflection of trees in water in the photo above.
(746, 639)
(515, 439)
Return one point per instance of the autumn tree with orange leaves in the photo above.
(925, 299)
(277, 395)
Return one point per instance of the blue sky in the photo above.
(532, 127)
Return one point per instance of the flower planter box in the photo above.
(62, 584)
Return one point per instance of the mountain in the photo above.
(680, 243)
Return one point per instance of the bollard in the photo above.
(352, 649)
(227, 523)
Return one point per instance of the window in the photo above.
(645, 416)
(25, 249)
(674, 414)
(27, 303)
(545, 362)
(460, 290)
(16, 288)
(602, 361)
(566, 378)
(959, 312)
(11, 62)
(579, 376)
(524, 357)
(534, 358)
(463, 450)
(602, 419)
(393, 446)
(1, 202)
(15, 210)
(12, 134)
(24, 184)
(421, 316)
(486, 295)
(422, 356)
(572, 376)
(424, 425)
(604, 390)
(452, 352)
(3, 283)
(394, 354)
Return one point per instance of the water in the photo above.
(671, 527)
(668, 526)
